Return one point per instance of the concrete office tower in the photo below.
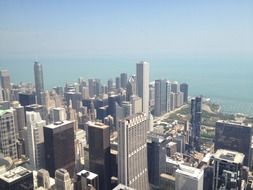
(43, 179)
(110, 85)
(1, 94)
(196, 112)
(39, 82)
(34, 140)
(130, 87)
(161, 97)
(99, 153)
(168, 94)
(18, 178)
(132, 151)
(189, 178)
(63, 180)
(6, 85)
(19, 113)
(91, 85)
(142, 81)
(156, 146)
(184, 89)
(58, 114)
(8, 134)
(80, 144)
(59, 147)
(234, 136)
(87, 180)
(117, 82)
(151, 96)
(227, 170)
(136, 102)
(123, 80)
(175, 87)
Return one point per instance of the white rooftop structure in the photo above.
(190, 171)
(58, 124)
(15, 174)
(89, 175)
(229, 156)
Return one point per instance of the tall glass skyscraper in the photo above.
(39, 82)
(196, 112)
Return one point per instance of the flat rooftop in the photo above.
(2, 112)
(89, 175)
(15, 174)
(229, 156)
(97, 125)
(190, 171)
(122, 187)
(58, 124)
(235, 123)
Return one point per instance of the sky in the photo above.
(126, 28)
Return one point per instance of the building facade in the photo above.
(132, 151)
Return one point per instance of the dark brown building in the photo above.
(59, 147)
(99, 153)
(234, 136)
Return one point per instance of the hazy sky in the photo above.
(124, 28)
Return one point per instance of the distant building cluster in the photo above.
(90, 136)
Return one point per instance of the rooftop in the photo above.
(122, 187)
(89, 175)
(229, 156)
(2, 112)
(15, 174)
(235, 123)
(58, 124)
(189, 171)
(97, 125)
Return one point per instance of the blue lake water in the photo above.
(227, 81)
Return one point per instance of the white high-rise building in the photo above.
(132, 151)
(142, 79)
(58, 114)
(63, 180)
(8, 134)
(34, 138)
(189, 178)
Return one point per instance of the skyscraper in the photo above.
(161, 97)
(132, 151)
(156, 146)
(184, 89)
(131, 87)
(59, 147)
(235, 137)
(63, 180)
(8, 134)
(227, 170)
(87, 180)
(6, 85)
(117, 82)
(99, 153)
(123, 80)
(196, 111)
(39, 82)
(43, 179)
(189, 178)
(142, 84)
(18, 178)
(34, 140)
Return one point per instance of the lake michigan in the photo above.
(227, 81)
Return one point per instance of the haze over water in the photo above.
(208, 44)
(227, 81)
